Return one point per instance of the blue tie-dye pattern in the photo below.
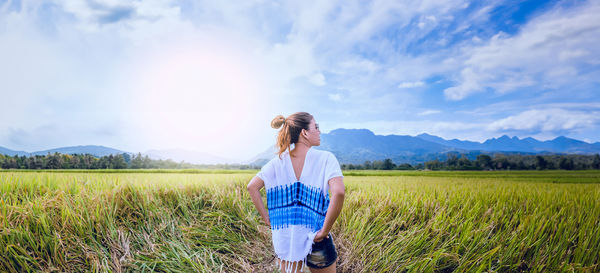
(297, 204)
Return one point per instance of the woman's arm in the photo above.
(254, 189)
(338, 191)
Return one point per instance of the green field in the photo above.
(395, 221)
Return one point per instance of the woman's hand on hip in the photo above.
(320, 236)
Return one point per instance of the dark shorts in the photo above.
(323, 253)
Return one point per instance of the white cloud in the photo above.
(411, 84)
(551, 50)
(546, 120)
(429, 112)
(317, 79)
(430, 21)
(359, 64)
(335, 97)
(572, 54)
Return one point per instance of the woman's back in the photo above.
(302, 201)
(300, 213)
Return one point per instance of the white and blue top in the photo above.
(297, 207)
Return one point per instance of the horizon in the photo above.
(150, 151)
(209, 77)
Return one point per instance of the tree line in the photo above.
(453, 162)
(489, 162)
(88, 161)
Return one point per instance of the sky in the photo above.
(210, 75)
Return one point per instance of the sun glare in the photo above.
(190, 97)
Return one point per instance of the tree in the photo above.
(126, 157)
(388, 164)
(38, 162)
(65, 161)
(500, 162)
(367, 165)
(137, 162)
(451, 159)
(9, 163)
(596, 162)
(75, 162)
(434, 165)
(147, 163)
(464, 163)
(484, 161)
(54, 161)
(118, 162)
(405, 166)
(565, 163)
(377, 165)
(542, 164)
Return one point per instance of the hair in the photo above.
(290, 132)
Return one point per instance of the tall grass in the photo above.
(128, 222)
(206, 222)
(434, 224)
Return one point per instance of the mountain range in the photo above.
(96, 150)
(358, 145)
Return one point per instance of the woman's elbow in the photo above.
(254, 185)
(339, 192)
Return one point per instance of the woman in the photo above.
(296, 181)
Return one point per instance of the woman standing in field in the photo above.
(297, 182)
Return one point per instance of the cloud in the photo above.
(551, 51)
(335, 97)
(116, 14)
(317, 79)
(547, 120)
(94, 15)
(411, 84)
(429, 112)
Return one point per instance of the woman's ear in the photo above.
(304, 133)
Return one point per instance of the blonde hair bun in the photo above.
(277, 122)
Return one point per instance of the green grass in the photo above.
(392, 221)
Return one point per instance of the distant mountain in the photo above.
(262, 158)
(176, 155)
(358, 145)
(193, 157)
(461, 144)
(505, 143)
(514, 144)
(570, 146)
(95, 150)
(6, 151)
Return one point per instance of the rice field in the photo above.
(392, 221)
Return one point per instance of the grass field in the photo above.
(395, 221)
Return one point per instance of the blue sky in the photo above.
(210, 75)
